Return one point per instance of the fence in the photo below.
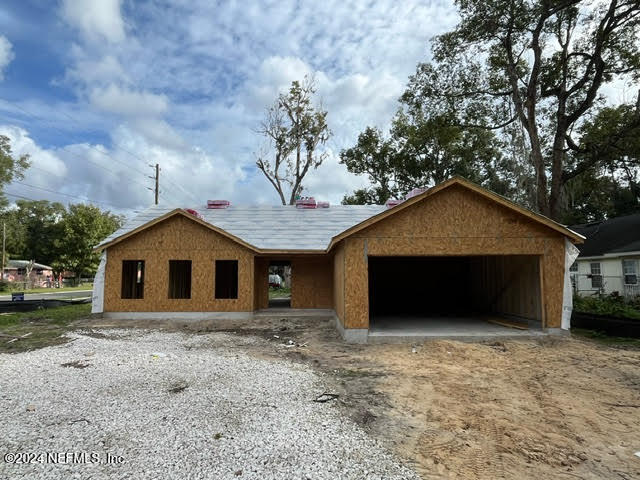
(590, 284)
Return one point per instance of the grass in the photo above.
(86, 286)
(45, 327)
(279, 293)
(605, 339)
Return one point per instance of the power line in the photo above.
(89, 145)
(104, 153)
(69, 195)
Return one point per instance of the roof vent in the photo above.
(415, 192)
(322, 205)
(216, 204)
(392, 202)
(306, 202)
(194, 213)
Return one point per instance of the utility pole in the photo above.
(156, 177)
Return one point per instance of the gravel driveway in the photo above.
(173, 405)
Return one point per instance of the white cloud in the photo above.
(185, 84)
(97, 20)
(6, 54)
(115, 99)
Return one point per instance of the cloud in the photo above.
(6, 54)
(185, 83)
(97, 20)
(115, 99)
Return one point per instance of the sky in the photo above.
(96, 91)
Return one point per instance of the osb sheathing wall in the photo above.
(178, 238)
(311, 282)
(261, 283)
(338, 281)
(455, 221)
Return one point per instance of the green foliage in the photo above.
(64, 238)
(424, 149)
(11, 168)
(536, 68)
(83, 227)
(33, 230)
(607, 305)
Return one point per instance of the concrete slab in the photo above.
(294, 312)
(407, 329)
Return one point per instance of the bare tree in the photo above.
(294, 129)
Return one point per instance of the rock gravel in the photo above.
(178, 406)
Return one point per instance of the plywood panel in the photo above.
(507, 284)
(311, 282)
(178, 238)
(338, 281)
(457, 212)
(261, 283)
(455, 221)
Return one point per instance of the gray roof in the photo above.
(24, 263)
(282, 227)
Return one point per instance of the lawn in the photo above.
(40, 328)
(279, 292)
(86, 286)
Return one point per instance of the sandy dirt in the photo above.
(558, 407)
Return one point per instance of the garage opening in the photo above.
(454, 294)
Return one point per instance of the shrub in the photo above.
(614, 306)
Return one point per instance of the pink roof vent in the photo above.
(323, 204)
(306, 202)
(215, 204)
(415, 192)
(194, 213)
(392, 202)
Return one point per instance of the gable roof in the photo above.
(262, 228)
(616, 235)
(289, 229)
(575, 237)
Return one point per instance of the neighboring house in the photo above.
(454, 249)
(609, 260)
(15, 271)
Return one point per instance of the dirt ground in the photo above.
(557, 407)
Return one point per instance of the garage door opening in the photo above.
(454, 294)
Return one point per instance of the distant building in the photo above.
(15, 271)
(609, 260)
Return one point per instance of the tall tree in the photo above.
(295, 129)
(423, 149)
(84, 227)
(11, 167)
(544, 61)
(376, 157)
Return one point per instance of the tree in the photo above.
(84, 227)
(41, 227)
(376, 157)
(294, 129)
(606, 162)
(11, 168)
(424, 149)
(540, 63)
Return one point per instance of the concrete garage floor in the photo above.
(410, 329)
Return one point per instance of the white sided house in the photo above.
(609, 260)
